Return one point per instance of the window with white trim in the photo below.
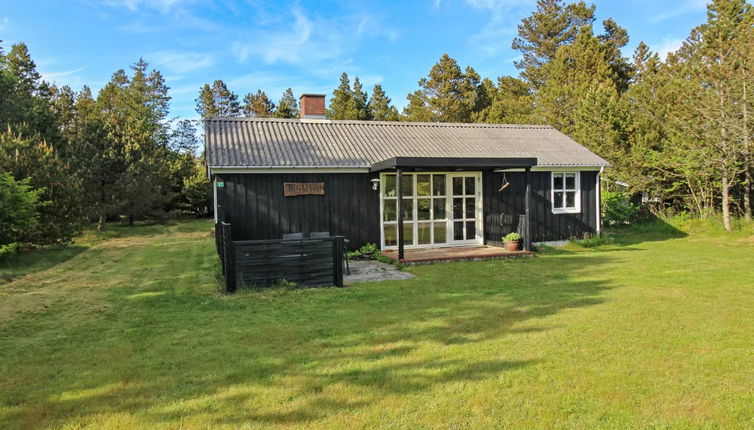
(424, 209)
(566, 195)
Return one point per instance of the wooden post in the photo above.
(399, 185)
(338, 256)
(229, 255)
(527, 211)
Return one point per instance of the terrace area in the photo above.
(455, 253)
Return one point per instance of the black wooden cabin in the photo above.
(400, 184)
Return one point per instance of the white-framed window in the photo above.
(566, 192)
(439, 209)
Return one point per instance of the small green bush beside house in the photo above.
(617, 208)
(19, 213)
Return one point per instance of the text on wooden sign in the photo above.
(291, 189)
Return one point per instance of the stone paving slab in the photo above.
(374, 271)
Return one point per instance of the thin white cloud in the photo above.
(4, 23)
(163, 6)
(368, 81)
(181, 62)
(73, 78)
(53, 76)
(502, 24)
(688, 6)
(369, 26)
(310, 41)
(291, 46)
(153, 16)
(667, 46)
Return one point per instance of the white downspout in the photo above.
(214, 197)
(599, 202)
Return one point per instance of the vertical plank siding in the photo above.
(257, 209)
(254, 204)
(545, 225)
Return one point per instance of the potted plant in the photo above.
(368, 250)
(512, 241)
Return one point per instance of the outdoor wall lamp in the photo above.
(375, 184)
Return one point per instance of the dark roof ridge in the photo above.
(393, 123)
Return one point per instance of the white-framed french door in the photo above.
(465, 212)
(439, 209)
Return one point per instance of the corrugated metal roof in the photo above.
(263, 142)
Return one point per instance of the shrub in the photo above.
(197, 192)
(19, 216)
(511, 237)
(60, 217)
(590, 241)
(285, 284)
(369, 248)
(382, 258)
(617, 209)
(8, 250)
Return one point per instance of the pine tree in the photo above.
(647, 103)
(600, 123)
(258, 105)
(206, 106)
(343, 104)
(510, 102)
(615, 38)
(483, 102)
(21, 65)
(447, 94)
(360, 99)
(217, 101)
(36, 161)
(576, 70)
(20, 215)
(27, 101)
(196, 190)
(100, 160)
(719, 96)
(380, 107)
(552, 25)
(135, 112)
(287, 106)
(417, 109)
(745, 54)
(32, 127)
(183, 138)
(146, 143)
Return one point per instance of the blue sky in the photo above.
(302, 44)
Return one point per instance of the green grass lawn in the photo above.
(127, 330)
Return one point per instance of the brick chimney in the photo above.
(312, 106)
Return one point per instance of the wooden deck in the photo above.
(456, 253)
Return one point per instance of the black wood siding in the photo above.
(255, 206)
(257, 209)
(545, 225)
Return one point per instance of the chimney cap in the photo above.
(312, 95)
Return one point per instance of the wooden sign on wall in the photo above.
(291, 189)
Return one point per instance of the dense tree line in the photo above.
(217, 100)
(69, 157)
(679, 129)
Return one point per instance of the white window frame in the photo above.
(577, 199)
(448, 196)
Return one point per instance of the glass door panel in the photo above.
(464, 207)
(437, 208)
